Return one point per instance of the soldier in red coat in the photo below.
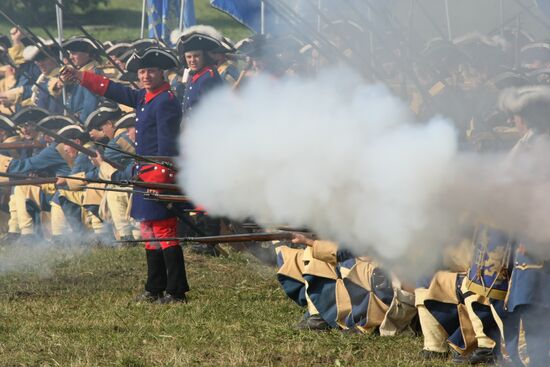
(158, 116)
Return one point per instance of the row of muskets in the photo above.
(171, 193)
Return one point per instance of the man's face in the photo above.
(46, 65)
(79, 58)
(70, 151)
(96, 134)
(150, 78)
(108, 129)
(195, 60)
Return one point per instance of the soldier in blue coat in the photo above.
(84, 54)
(194, 45)
(203, 74)
(47, 162)
(528, 299)
(158, 116)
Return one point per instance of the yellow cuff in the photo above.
(16, 54)
(325, 251)
(4, 163)
(14, 95)
(106, 171)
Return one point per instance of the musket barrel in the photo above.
(213, 240)
(35, 181)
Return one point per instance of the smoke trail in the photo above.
(333, 154)
(348, 161)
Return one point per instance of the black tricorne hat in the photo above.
(535, 51)
(29, 114)
(128, 120)
(56, 122)
(118, 49)
(107, 112)
(199, 38)
(33, 53)
(153, 57)
(80, 44)
(7, 124)
(71, 132)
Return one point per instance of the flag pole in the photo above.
(59, 18)
(182, 6)
(448, 15)
(262, 17)
(142, 34)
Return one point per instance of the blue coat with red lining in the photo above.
(158, 117)
(198, 84)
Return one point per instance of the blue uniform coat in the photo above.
(158, 118)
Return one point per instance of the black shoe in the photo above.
(170, 298)
(457, 358)
(10, 238)
(483, 356)
(431, 355)
(149, 297)
(314, 322)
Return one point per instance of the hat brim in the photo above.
(151, 58)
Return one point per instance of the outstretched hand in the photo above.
(70, 75)
(299, 238)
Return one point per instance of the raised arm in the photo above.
(101, 85)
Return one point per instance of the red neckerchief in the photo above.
(150, 95)
(205, 70)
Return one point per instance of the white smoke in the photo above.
(340, 157)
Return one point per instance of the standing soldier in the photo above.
(528, 298)
(158, 116)
(84, 54)
(203, 75)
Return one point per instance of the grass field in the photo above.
(75, 308)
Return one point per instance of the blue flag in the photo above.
(163, 16)
(246, 12)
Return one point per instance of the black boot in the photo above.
(10, 238)
(156, 274)
(177, 285)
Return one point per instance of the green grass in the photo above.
(121, 20)
(75, 308)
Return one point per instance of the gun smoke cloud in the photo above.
(348, 161)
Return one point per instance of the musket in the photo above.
(15, 175)
(536, 17)
(29, 77)
(166, 197)
(31, 36)
(22, 145)
(50, 36)
(35, 181)
(97, 43)
(142, 184)
(292, 19)
(107, 188)
(280, 228)
(61, 139)
(147, 195)
(138, 157)
(214, 240)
